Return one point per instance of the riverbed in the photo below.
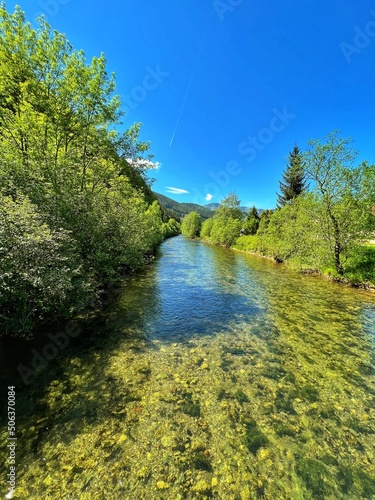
(211, 374)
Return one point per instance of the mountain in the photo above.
(212, 206)
(180, 209)
(215, 206)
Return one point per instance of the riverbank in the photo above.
(329, 274)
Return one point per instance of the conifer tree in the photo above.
(251, 223)
(293, 183)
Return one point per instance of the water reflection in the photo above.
(187, 295)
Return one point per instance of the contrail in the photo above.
(190, 82)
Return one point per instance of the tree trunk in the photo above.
(338, 264)
(338, 248)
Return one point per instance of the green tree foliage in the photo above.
(227, 221)
(206, 228)
(191, 225)
(230, 207)
(64, 164)
(40, 268)
(293, 183)
(251, 223)
(225, 234)
(265, 218)
(171, 228)
(293, 233)
(345, 193)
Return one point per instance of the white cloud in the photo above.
(142, 163)
(208, 197)
(176, 190)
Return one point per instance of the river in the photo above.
(212, 374)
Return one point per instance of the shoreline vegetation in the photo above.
(76, 206)
(365, 285)
(324, 220)
(313, 272)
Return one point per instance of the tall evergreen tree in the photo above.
(293, 183)
(251, 223)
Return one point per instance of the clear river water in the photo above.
(211, 374)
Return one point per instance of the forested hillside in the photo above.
(75, 201)
(180, 209)
(245, 210)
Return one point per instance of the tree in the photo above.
(293, 183)
(225, 232)
(345, 193)
(229, 207)
(191, 225)
(265, 218)
(227, 221)
(251, 223)
(293, 233)
(153, 227)
(171, 228)
(206, 228)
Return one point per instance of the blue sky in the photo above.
(225, 88)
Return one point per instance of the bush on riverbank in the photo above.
(291, 233)
(206, 229)
(40, 267)
(289, 238)
(359, 267)
(76, 202)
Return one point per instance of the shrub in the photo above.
(40, 270)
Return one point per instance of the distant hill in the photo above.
(176, 209)
(215, 206)
(246, 210)
(181, 209)
(212, 206)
